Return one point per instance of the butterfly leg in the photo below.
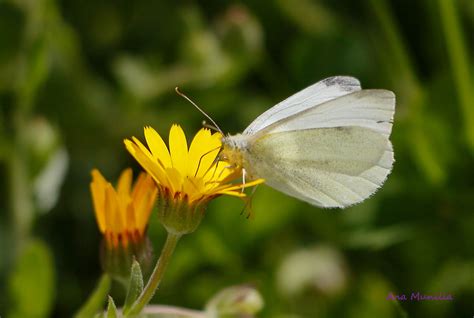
(244, 173)
(248, 203)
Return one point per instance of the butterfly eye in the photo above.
(223, 157)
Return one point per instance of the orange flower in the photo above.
(122, 214)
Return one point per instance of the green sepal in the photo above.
(135, 286)
(177, 214)
(111, 309)
(96, 300)
(117, 261)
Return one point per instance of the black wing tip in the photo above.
(342, 81)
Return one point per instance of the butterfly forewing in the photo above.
(316, 94)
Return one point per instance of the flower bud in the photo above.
(235, 301)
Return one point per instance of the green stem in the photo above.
(21, 201)
(155, 278)
(459, 64)
(96, 300)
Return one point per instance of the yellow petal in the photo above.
(138, 187)
(223, 171)
(203, 151)
(113, 218)
(97, 187)
(233, 193)
(196, 150)
(157, 146)
(125, 182)
(193, 187)
(175, 180)
(178, 149)
(147, 163)
(229, 187)
(219, 174)
(142, 148)
(144, 197)
(130, 219)
(123, 198)
(149, 203)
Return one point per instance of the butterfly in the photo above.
(327, 145)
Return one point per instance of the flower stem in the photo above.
(96, 299)
(156, 276)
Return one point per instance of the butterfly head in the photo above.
(232, 149)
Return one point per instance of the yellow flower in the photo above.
(187, 179)
(122, 214)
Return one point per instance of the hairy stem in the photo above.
(155, 278)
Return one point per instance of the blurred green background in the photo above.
(76, 77)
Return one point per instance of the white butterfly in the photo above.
(327, 144)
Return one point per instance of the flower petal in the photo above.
(125, 182)
(114, 219)
(233, 193)
(175, 179)
(97, 187)
(230, 187)
(178, 149)
(143, 197)
(157, 146)
(130, 219)
(203, 151)
(147, 162)
(194, 187)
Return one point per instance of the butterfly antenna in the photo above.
(211, 127)
(198, 108)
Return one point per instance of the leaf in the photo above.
(111, 309)
(31, 284)
(96, 299)
(135, 287)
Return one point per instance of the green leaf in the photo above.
(111, 309)
(31, 284)
(96, 299)
(135, 287)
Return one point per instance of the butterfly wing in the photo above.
(332, 155)
(316, 94)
